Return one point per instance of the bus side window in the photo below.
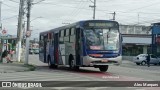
(50, 38)
(72, 31)
(72, 34)
(67, 32)
(59, 33)
(64, 32)
(61, 36)
(66, 38)
(41, 41)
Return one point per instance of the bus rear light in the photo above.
(96, 55)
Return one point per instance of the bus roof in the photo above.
(76, 24)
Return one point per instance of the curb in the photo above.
(13, 67)
(30, 67)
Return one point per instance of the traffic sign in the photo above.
(4, 31)
(28, 33)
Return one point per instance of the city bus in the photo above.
(88, 43)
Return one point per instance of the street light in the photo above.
(38, 2)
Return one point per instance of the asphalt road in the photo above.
(128, 71)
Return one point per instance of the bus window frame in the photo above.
(66, 37)
(61, 38)
(67, 32)
(62, 33)
(72, 29)
(72, 35)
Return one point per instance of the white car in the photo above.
(141, 59)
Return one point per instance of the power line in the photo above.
(76, 11)
(9, 17)
(12, 8)
(8, 5)
(80, 10)
(98, 9)
(13, 1)
(143, 7)
(148, 21)
(64, 6)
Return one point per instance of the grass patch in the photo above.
(30, 67)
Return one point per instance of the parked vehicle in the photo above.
(36, 51)
(141, 59)
(31, 51)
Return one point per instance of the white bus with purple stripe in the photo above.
(89, 43)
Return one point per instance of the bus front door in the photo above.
(56, 49)
(78, 46)
(45, 47)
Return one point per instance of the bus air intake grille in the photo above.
(103, 62)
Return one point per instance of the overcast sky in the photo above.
(55, 13)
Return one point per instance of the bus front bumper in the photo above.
(90, 61)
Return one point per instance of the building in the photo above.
(7, 42)
(156, 38)
(136, 39)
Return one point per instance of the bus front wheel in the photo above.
(103, 68)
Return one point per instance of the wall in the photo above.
(135, 29)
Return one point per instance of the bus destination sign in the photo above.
(101, 24)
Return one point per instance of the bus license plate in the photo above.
(104, 60)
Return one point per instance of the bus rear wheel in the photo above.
(103, 68)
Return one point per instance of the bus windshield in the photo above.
(102, 39)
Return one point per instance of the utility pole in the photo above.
(94, 8)
(114, 15)
(1, 30)
(19, 29)
(28, 31)
(23, 33)
(0, 15)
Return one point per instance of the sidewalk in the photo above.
(14, 67)
(127, 61)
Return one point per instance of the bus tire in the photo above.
(103, 68)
